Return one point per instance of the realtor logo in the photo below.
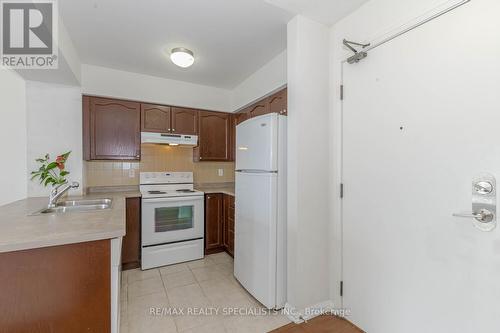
(29, 30)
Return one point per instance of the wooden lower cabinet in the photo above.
(219, 223)
(213, 223)
(229, 224)
(131, 244)
(56, 289)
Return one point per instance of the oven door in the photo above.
(166, 220)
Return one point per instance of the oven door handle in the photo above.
(193, 198)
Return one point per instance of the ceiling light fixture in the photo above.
(182, 57)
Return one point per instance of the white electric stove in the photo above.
(172, 219)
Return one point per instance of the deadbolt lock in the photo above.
(483, 187)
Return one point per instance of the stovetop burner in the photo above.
(157, 192)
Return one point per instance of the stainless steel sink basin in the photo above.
(84, 202)
(77, 206)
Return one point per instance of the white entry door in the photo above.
(421, 118)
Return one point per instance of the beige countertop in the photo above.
(19, 230)
(226, 188)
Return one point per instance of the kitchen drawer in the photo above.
(154, 256)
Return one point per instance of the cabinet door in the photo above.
(226, 221)
(241, 116)
(259, 108)
(132, 240)
(232, 142)
(155, 118)
(214, 136)
(115, 129)
(229, 223)
(278, 102)
(184, 121)
(57, 289)
(213, 221)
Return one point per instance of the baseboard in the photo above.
(214, 250)
(309, 312)
(292, 314)
(131, 265)
(218, 250)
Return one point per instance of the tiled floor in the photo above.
(203, 286)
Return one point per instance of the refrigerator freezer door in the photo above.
(257, 143)
(255, 235)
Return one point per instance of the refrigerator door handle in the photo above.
(256, 171)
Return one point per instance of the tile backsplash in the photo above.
(156, 158)
(106, 173)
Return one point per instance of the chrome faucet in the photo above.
(56, 193)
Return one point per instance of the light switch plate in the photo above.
(220, 172)
(131, 173)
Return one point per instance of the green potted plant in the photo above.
(51, 172)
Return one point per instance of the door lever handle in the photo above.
(483, 215)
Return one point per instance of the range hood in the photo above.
(169, 139)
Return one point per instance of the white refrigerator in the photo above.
(260, 217)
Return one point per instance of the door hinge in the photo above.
(341, 191)
(341, 92)
(341, 288)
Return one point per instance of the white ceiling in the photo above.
(324, 11)
(231, 39)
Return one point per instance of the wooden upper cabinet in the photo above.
(184, 121)
(111, 129)
(233, 119)
(259, 108)
(155, 118)
(214, 137)
(278, 102)
(241, 116)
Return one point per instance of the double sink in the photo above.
(76, 206)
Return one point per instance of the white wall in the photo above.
(54, 126)
(69, 66)
(373, 22)
(269, 78)
(68, 51)
(13, 177)
(109, 82)
(103, 81)
(308, 169)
